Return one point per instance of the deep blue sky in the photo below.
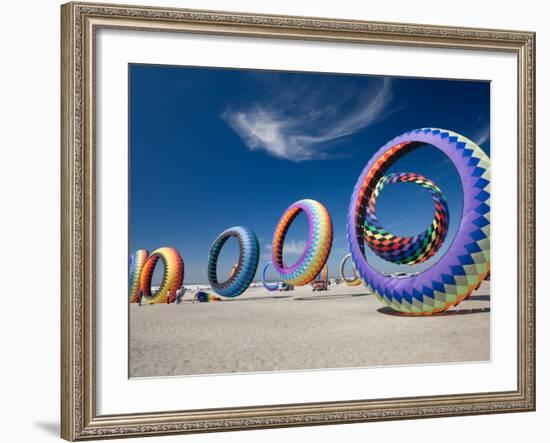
(213, 148)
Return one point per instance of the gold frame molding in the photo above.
(79, 22)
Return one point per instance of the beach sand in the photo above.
(278, 331)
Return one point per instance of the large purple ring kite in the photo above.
(467, 260)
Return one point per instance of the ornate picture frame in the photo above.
(80, 22)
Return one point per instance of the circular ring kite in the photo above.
(318, 244)
(172, 279)
(407, 250)
(136, 265)
(272, 287)
(249, 254)
(355, 280)
(466, 262)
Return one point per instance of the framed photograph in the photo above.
(277, 221)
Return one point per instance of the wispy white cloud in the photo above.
(293, 247)
(290, 247)
(300, 123)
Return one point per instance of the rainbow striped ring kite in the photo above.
(407, 250)
(172, 279)
(137, 260)
(318, 244)
(249, 254)
(467, 261)
(356, 280)
(272, 287)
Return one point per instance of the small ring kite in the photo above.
(270, 287)
(249, 254)
(137, 261)
(318, 244)
(355, 280)
(407, 250)
(467, 260)
(172, 279)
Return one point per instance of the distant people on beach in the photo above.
(179, 294)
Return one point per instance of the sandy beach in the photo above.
(301, 329)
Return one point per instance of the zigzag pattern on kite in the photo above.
(318, 246)
(467, 261)
(137, 261)
(249, 255)
(172, 279)
(406, 250)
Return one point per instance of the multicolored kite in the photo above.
(172, 279)
(137, 261)
(242, 276)
(466, 262)
(318, 244)
(407, 250)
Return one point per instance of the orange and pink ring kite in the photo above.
(319, 242)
